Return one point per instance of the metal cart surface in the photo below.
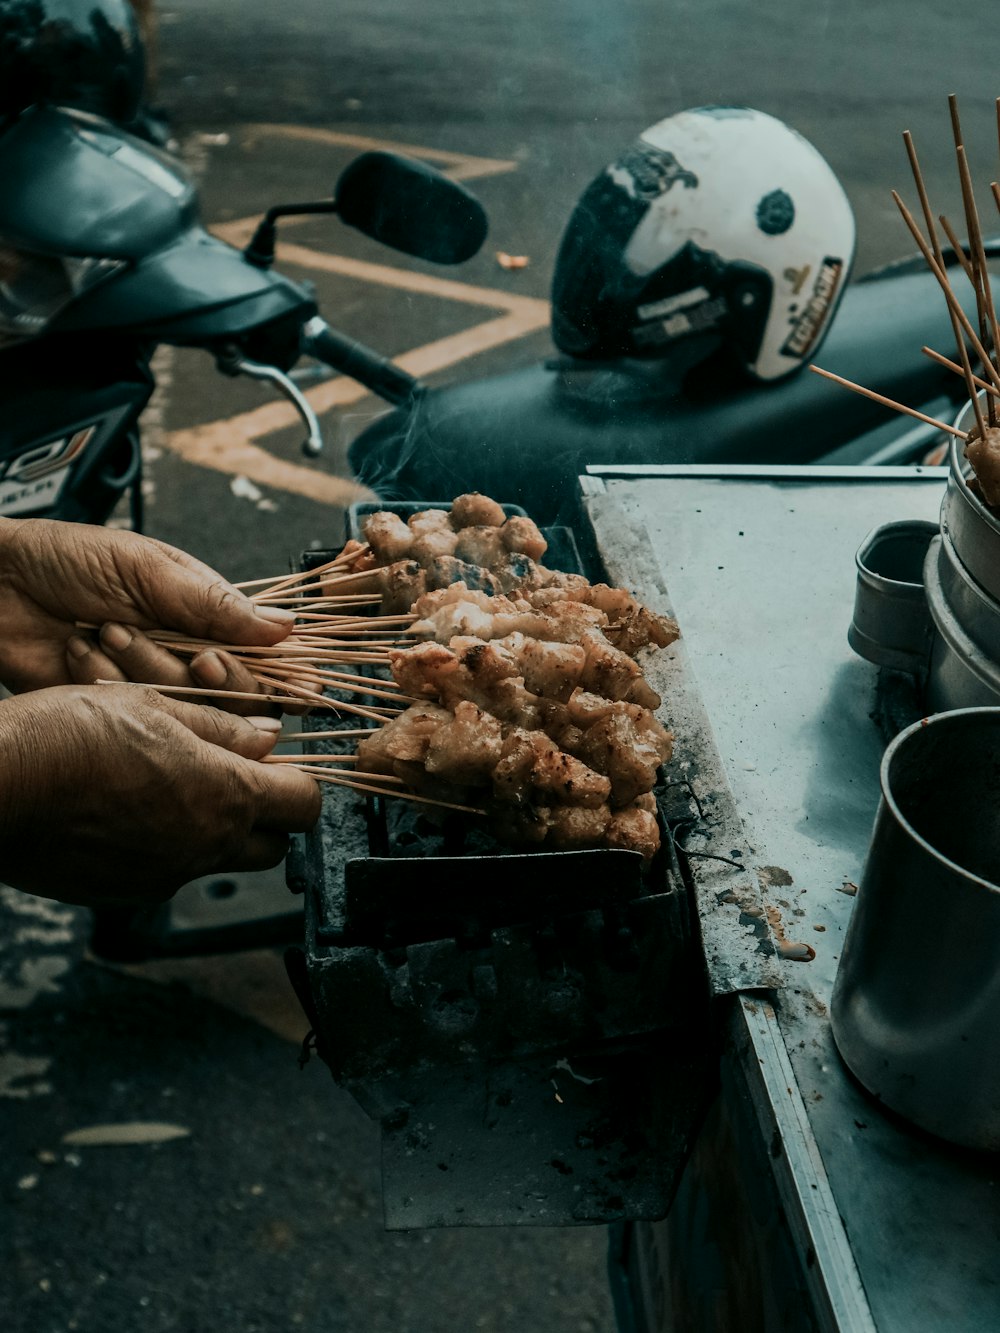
(805, 1206)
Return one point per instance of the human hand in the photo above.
(54, 575)
(113, 794)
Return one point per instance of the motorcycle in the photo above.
(102, 259)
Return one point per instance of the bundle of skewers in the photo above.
(482, 681)
(977, 346)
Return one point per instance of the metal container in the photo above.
(974, 531)
(965, 657)
(891, 625)
(916, 1005)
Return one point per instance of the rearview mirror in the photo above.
(411, 207)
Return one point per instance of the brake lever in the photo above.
(232, 363)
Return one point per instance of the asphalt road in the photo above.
(265, 1214)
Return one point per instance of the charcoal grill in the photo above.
(535, 1033)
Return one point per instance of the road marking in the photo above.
(227, 445)
(459, 166)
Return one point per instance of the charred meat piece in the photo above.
(466, 748)
(406, 737)
(428, 520)
(481, 545)
(521, 535)
(475, 510)
(388, 536)
(634, 830)
(533, 762)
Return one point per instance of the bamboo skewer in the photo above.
(957, 247)
(945, 286)
(979, 266)
(888, 402)
(400, 795)
(918, 180)
(283, 580)
(953, 365)
(348, 733)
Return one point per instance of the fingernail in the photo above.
(271, 724)
(115, 637)
(209, 669)
(278, 615)
(77, 646)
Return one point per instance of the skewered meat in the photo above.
(406, 737)
(634, 830)
(522, 535)
(475, 510)
(428, 520)
(482, 546)
(533, 703)
(466, 748)
(531, 761)
(432, 543)
(388, 536)
(983, 452)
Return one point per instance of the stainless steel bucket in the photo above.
(916, 1005)
(965, 657)
(974, 531)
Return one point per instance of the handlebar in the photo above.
(359, 363)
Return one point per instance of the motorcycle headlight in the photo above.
(34, 288)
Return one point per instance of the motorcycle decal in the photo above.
(808, 322)
(34, 479)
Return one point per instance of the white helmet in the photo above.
(719, 221)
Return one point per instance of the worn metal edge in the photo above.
(807, 472)
(739, 949)
(829, 1267)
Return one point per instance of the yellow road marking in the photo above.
(228, 445)
(224, 447)
(426, 284)
(459, 166)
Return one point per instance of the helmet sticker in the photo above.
(646, 172)
(700, 318)
(775, 213)
(807, 324)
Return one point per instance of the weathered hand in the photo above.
(54, 575)
(117, 794)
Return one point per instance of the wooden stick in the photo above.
(302, 694)
(216, 694)
(345, 557)
(945, 286)
(271, 595)
(918, 180)
(314, 759)
(956, 127)
(953, 365)
(347, 733)
(958, 247)
(400, 795)
(983, 288)
(296, 677)
(888, 402)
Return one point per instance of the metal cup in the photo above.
(891, 625)
(916, 1005)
